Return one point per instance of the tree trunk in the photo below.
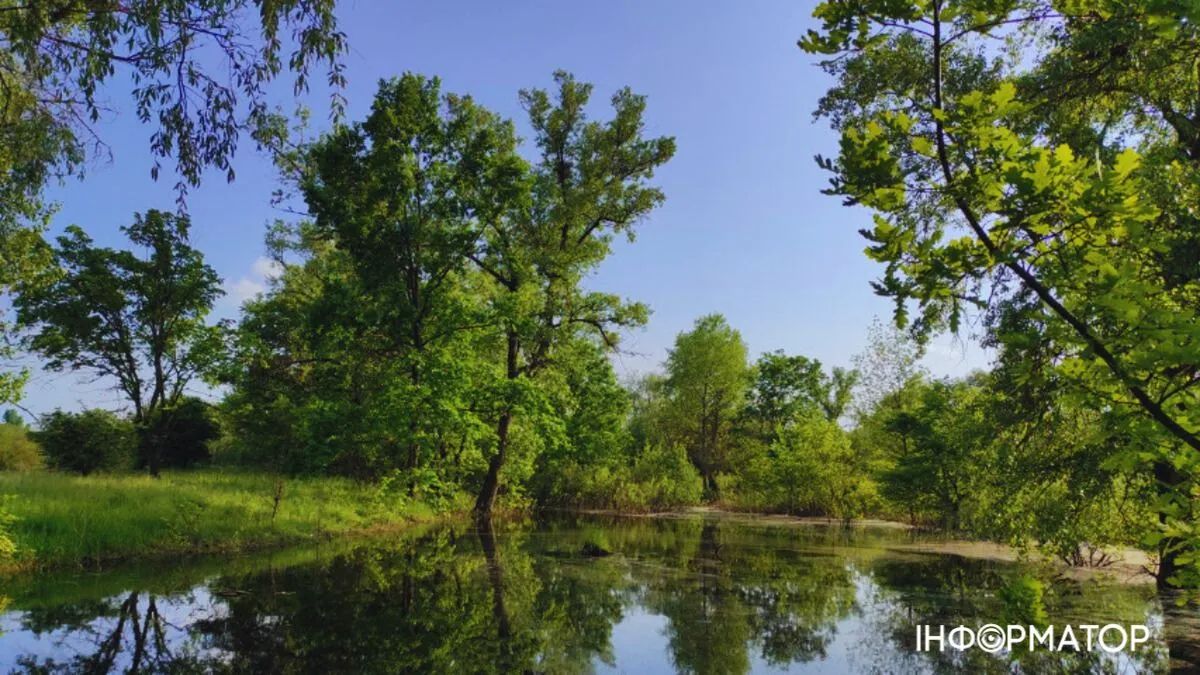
(491, 482)
(151, 449)
(413, 447)
(1167, 479)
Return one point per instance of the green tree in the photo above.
(198, 72)
(406, 194)
(945, 439)
(783, 387)
(138, 321)
(589, 184)
(1062, 179)
(810, 468)
(836, 391)
(706, 385)
(311, 387)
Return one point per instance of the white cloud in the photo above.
(262, 271)
(243, 289)
(266, 268)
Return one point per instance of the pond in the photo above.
(569, 594)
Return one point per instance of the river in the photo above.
(577, 594)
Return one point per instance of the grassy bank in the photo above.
(75, 521)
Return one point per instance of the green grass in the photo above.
(65, 520)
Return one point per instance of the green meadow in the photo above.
(63, 520)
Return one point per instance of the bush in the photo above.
(664, 477)
(660, 477)
(180, 434)
(87, 442)
(18, 452)
(811, 470)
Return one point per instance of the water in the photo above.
(570, 595)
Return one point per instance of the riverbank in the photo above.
(89, 522)
(65, 521)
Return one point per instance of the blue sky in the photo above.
(745, 230)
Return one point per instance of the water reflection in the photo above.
(570, 595)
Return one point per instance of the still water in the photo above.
(572, 594)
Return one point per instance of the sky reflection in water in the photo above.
(567, 595)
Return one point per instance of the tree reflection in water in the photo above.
(545, 597)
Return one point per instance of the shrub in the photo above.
(666, 478)
(18, 452)
(87, 442)
(660, 477)
(181, 433)
(811, 469)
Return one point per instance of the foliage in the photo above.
(1040, 167)
(8, 548)
(809, 469)
(786, 387)
(435, 317)
(87, 442)
(198, 70)
(655, 478)
(783, 388)
(706, 382)
(943, 440)
(662, 477)
(1023, 601)
(18, 451)
(61, 55)
(140, 322)
(404, 194)
(590, 183)
(182, 433)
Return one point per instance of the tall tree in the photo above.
(1065, 177)
(139, 321)
(707, 380)
(405, 194)
(589, 184)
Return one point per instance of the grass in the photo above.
(65, 520)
